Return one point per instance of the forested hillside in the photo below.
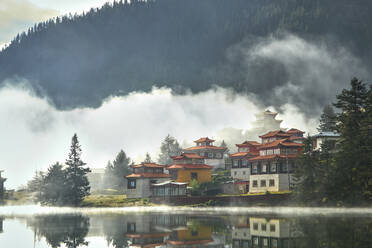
(79, 60)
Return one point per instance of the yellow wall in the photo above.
(184, 176)
(203, 233)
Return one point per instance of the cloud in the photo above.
(34, 134)
(289, 69)
(18, 15)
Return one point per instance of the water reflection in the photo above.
(193, 230)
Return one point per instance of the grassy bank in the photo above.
(113, 201)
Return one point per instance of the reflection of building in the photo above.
(213, 155)
(144, 174)
(190, 166)
(262, 233)
(330, 137)
(192, 236)
(2, 189)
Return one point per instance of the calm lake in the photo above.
(38, 227)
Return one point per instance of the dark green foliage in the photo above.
(169, 147)
(54, 187)
(82, 59)
(341, 175)
(353, 162)
(115, 173)
(327, 120)
(77, 184)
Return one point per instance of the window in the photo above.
(273, 168)
(264, 168)
(194, 175)
(245, 163)
(219, 155)
(131, 227)
(263, 183)
(269, 152)
(272, 228)
(263, 227)
(131, 183)
(254, 169)
(210, 155)
(255, 184)
(243, 172)
(202, 154)
(235, 163)
(284, 167)
(255, 226)
(235, 173)
(272, 183)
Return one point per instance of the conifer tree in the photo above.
(306, 175)
(353, 166)
(120, 169)
(327, 120)
(169, 147)
(53, 190)
(148, 158)
(77, 183)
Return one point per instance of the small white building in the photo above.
(322, 137)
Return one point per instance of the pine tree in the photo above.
(169, 147)
(76, 175)
(353, 167)
(120, 169)
(306, 175)
(53, 188)
(327, 120)
(109, 175)
(148, 158)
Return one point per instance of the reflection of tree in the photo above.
(114, 231)
(336, 232)
(69, 230)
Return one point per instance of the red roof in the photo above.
(187, 155)
(296, 138)
(276, 133)
(248, 143)
(205, 147)
(266, 157)
(189, 242)
(148, 165)
(281, 142)
(205, 139)
(148, 175)
(189, 166)
(294, 131)
(239, 154)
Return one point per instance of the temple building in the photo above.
(272, 169)
(2, 189)
(190, 166)
(144, 175)
(213, 155)
(240, 170)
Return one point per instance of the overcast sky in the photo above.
(18, 15)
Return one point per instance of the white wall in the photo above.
(281, 182)
(240, 173)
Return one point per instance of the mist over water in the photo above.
(43, 227)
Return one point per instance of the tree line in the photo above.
(68, 184)
(79, 60)
(340, 173)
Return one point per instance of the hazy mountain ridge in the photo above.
(80, 60)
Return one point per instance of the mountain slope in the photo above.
(80, 60)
